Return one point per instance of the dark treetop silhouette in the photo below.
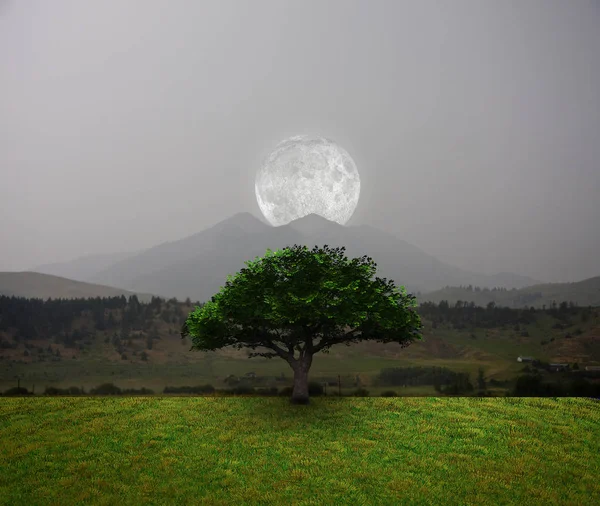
(297, 300)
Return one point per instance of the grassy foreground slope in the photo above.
(218, 451)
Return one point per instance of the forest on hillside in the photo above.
(71, 321)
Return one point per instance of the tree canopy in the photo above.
(295, 302)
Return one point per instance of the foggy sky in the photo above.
(475, 126)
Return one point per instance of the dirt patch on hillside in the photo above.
(582, 349)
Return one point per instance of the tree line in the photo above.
(467, 315)
(55, 318)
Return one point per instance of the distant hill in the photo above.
(83, 268)
(34, 285)
(198, 265)
(510, 280)
(583, 293)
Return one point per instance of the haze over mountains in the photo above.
(81, 269)
(34, 285)
(196, 266)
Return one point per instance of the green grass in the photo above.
(236, 451)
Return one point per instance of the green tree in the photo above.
(300, 301)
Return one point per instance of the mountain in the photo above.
(583, 293)
(83, 268)
(150, 267)
(312, 224)
(34, 285)
(198, 265)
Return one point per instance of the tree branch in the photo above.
(287, 356)
(326, 343)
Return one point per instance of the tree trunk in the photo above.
(300, 391)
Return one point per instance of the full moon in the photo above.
(305, 175)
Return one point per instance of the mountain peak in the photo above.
(246, 221)
(244, 217)
(312, 223)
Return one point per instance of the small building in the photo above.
(250, 375)
(525, 359)
(558, 367)
(592, 368)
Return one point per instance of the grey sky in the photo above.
(475, 125)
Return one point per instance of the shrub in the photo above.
(242, 390)
(142, 391)
(315, 389)
(389, 393)
(64, 391)
(459, 385)
(200, 389)
(286, 391)
(106, 389)
(17, 391)
(231, 380)
(205, 389)
(267, 391)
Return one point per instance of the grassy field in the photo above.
(171, 363)
(213, 370)
(224, 451)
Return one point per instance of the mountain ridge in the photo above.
(82, 268)
(36, 285)
(584, 293)
(197, 265)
